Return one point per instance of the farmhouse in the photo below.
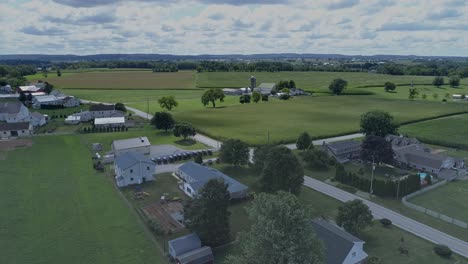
(140, 144)
(188, 249)
(109, 122)
(340, 246)
(19, 129)
(39, 101)
(12, 112)
(194, 176)
(343, 151)
(265, 88)
(133, 168)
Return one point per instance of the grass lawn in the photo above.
(453, 202)
(449, 131)
(57, 209)
(121, 80)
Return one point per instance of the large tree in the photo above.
(377, 149)
(212, 95)
(184, 129)
(389, 86)
(235, 152)
(454, 81)
(281, 233)
(259, 158)
(378, 123)
(168, 102)
(304, 141)
(282, 171)
(120, 107)
(316, 158)
(208, 215)
(162, 120)
(438, 81)
(354, 216)
(337, 86)
(256, 96)
(48, 88)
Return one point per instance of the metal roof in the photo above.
(131, 143)
(109, 120)
(337, 242)
(185, 244)
(202, 174)
(10, 107)
(415, 155)
(101, 107)
(129, 159)
(198, 256)
(46, 98)
(267, 85)
(14, 126)
(29, 88)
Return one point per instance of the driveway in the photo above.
(403, 222)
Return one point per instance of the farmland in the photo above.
(59, 210)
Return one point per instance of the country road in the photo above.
(403, 222)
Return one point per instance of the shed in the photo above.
(110, 122)
(201, 255)
(139, 144)
(184, 244)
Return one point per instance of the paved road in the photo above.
(329, 140)
(403, 222)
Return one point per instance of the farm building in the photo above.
(194, 176)
(99, 111)
(140, 144)
(13, 111)
(6, 89)
(29, 89)
(19, 129)
(9, 96)
(39, 101)
(109, 122)
(37, 119)
(72, 120)
(265, 88)
(343, 151)
(340, 246)
(188, 249)
(230, 91)
(133, 168)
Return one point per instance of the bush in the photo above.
(385, 222)
(444, 100)
(155, 227)
(443, 250)
(374, 260)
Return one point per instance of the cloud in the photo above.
(217, 16)
(446, 13)
(51, 31)
(95, 3)
(341, 4)
(418, 26)
(241, 25)
(86, 3)
(101, 18)
(245, 2)
(167, 28)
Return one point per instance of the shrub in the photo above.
(443, 250)
(444, 100)
(385, 222)
(155, 227)
(374, 260)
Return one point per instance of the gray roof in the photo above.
(10, 107)
(415, 155)
(37, 115)
(337, 242)
(131, 143)
(341, 145)
(46, 98)
(198, 256)
(202, 174)
(184, 244)
(101, 107)
(14, 126)
(399, 141)
(128, 159)
(267, 85)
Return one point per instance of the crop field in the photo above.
(57, 209)
(449, 199)
(121, 80)
(449, 131)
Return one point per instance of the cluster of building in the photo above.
(263, 89)
(409, 153)
(17, 121)
(104, 115)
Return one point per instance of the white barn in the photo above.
(140, 145)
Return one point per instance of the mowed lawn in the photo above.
(122, 80)
(450, 131)
(57, 209)
(450, 199)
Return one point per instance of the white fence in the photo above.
(430, 212)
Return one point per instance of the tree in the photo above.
(265, 97)
(292, 84)
(168, 102)
(44, 72)
(282, 171)
(259, 158)
(304, 141)
(212, 95)
(354, 216)
(443, 250)
(281, 233)
(389, 86)
(286, 91)
(378, 123)
(59, 73)
(208, 215)
(48, 88)
(413, 92)
(162, 120)
(315, 158)
(22, 97)
(120, 107)
(29, 97)
(235, 152)
(256, 96)
(438, 81)
(377, 149)
(454, 81)
(385, 222)
(184, 130)
(244, 99)
(337, 86)
(198, 159)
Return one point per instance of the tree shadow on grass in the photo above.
(186, 142)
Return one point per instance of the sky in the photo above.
(190, 27)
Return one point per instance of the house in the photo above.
(99, 111)
(194, 176)
(139, 144)
(29, 89)
(72, 120)
(265, 88)
(340, 246)
(18, 129)
(133, 168)
(343, 151)
(69, 101)
(297, 92)
(109, 122)
(13, 111)
(188, 249)
(37, 119)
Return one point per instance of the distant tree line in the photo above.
(430, 68)
(14, 75)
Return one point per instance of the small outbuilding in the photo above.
(189, 250)
(133, 168)
(343, 151)
(73, 120)
(139, 144)
(109, 122)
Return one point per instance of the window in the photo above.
(147, 168)
(189, 190)
(131, 179)
(22, 131)
(353, 254)
(131, 171)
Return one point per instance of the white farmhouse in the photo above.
(13, 112)
(133, 168)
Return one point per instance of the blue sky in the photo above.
(366, 27)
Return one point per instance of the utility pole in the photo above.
(147, 108)
(372, 177)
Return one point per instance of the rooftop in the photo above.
(101, 107)
(185, 244)
(109, 120)
(10, 107)
(128, 159)
(200, 255)
(46, 98)
(29, 88)
(14, 126)
(131, 143)
(344, 144)
(267, 85)
(414, 154)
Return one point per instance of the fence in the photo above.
(435, 214)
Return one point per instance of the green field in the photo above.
(449, 131)
(453, 203)
(57, 209)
